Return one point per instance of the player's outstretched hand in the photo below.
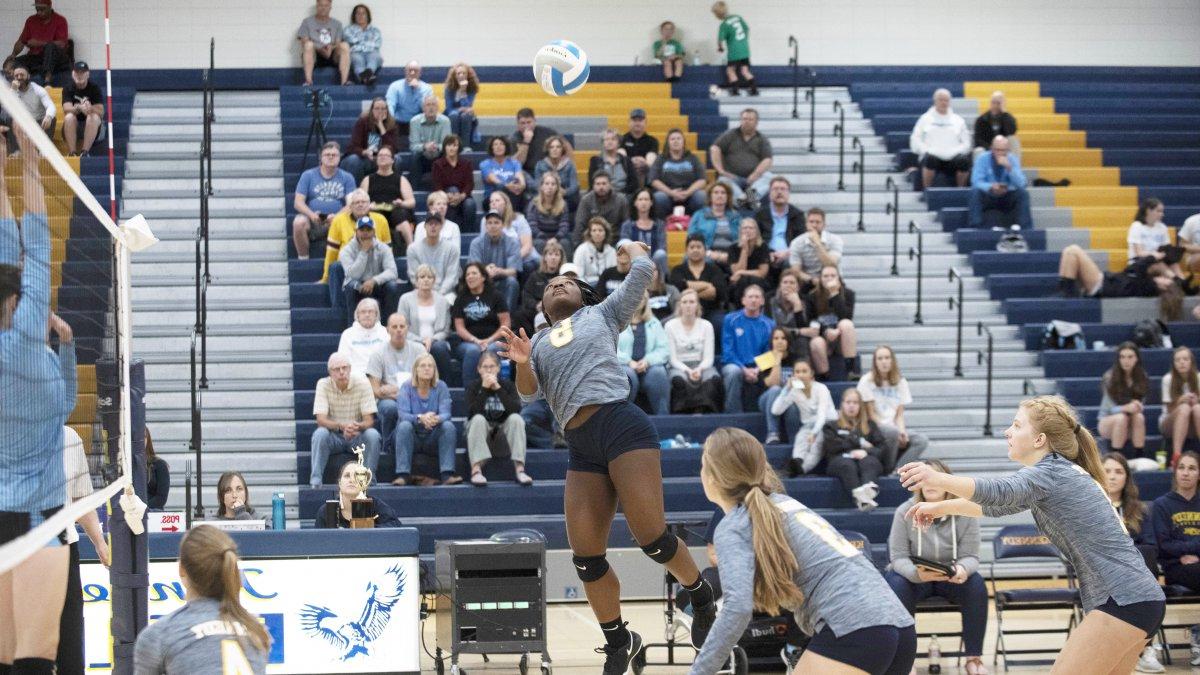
(516, 347)
(923, 514)
(636, 249)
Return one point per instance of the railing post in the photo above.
(919, 254)
(811, 97)
(955, 275)
(839, 130)
(197, 440)
(794, 62)
(980, 329)
(861, 167)
(894, 210)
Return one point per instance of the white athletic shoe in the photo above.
(1148, 662)
(863, 498)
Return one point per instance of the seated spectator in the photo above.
(323, 44)
(455, 175)
(942, 142)
(373, 130)
(642, 347)
(698, 273)
(746, 334)
(1122, 491)
(786, 309)
(83, 111)
(716, 223)
(995, 122)
(1145, 277)
(998, 184)
(39, 104)
(44, 41)
(677, 177)
(370, 269)
(779, 221)
(345, 410)
(342, 230)
(462, 85)
(773, 378)
(529, 141)
(427, 315)
(852, 445)
(392, 196)
(516, 227)
(640, 147)
(424, 413)
(814, 249)
(437, 203)
(478, 314)
(1147, 232)
(547, 214)
(439, 254)
(619, 168)
(831, 306)
(743, 159)
(1123, 392)
(595, 254)
(535, 287)
(233, 498)
(644, 227)
(663, 297)
(426, 131)
(601, 202)
(611, 278)
(363, 337)
(494, 419)
(320, 193)
(885, 394)
(1189, 238)
(347, 490)
(406, 98)
(501, 172)
(556, 158)
(952, 541)
(815, 404)
(390, 366)
(1181, 405)
(691, 345)
(500, 257)
(749, 259)
(158, 477)
(1175, 516)
(365, 42)
(669, 52)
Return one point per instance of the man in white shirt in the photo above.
(363, 337)
(942, 141)
(389, 367)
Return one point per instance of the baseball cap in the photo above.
(637, 113)
(493, 214)
(81, 66)
(365, 222)
(42, 3)
(569, 268)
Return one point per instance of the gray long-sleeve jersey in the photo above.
(1073, 511)
(842, 589)
(575, 360)
(191, 641)
(953, 539)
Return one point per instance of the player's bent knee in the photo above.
(661, 550)
(590, 567)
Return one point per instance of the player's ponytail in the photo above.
(209, 558)
(1054, 417)
(736, 466)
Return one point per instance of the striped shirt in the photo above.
(1073, 511)
(352, 404)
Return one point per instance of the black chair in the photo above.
(1177, 596)
(1025, 542)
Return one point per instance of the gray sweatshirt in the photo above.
(1073, 511)
(842, 589)
(575, 360)
(940, 542)
(191, 641)
(375, 262)
(443, 258)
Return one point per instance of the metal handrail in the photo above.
(953, 275)
(839, 130)
(810, 95)
(917, 252)
(203, 278)
(860, 166)
(893, 210)
(981, 329)
(794, 62)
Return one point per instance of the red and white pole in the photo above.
(112, 162)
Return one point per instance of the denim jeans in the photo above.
(337, 279)
(325, 443)
(663, 204)
(1017, 200)
(540, 424)
(731, 373)
(440, 351)
(465, 214)
(413, 436)
(971, 596)
(739, 185)
(360, 61)
(463, 125)
(357, 166)
(386, 294)
(656, 384)
(790, 417)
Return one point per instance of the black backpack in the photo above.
(1063, 335)
(1148, 334)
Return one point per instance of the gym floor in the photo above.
(574, 635)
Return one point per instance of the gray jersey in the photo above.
(575, 360)
(1073, 511)
(194, 640)
(842, 590)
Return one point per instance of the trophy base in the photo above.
(362, 511)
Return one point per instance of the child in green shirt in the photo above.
(669, 52)
(733, 37)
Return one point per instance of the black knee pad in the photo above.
(661, 550)
(590, 568)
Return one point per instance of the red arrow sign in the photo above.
(172, 528)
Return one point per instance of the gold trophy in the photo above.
(362, 507)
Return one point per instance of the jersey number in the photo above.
(820, 527)
(233, 659)
(739, 32)
(562, 336)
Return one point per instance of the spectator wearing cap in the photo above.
(942, 142)
(455, 175)
(83, 111)
(500, 256)
(320, 193)
(439, 253)
(743, 160)
(44, 41)
(426, 132)
(678, 178)
(437, 202)
(600, 202)
(779, 221)
(529, 141)
(341, 231)
(345, 410)
(322, 43)
(406, 97)
(370, 269)
(619, 168)
(640, 147)
(998, 184)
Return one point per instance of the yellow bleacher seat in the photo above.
(1043, 140)
(1082, 176)
(983, 90)
(1094, 196)
(1036, 157)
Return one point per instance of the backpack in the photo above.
(1012, 242)
(1063, 335)
(1148, 334)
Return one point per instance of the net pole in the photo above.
(112, 162)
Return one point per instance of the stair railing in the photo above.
(955, 275)
(981, 329)
(860, 165)
(917, 252)
(893, 209)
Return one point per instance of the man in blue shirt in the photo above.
(998, 184)
(745, 334)
(779, 221)
(320, 194)
(500, 255)
(404, 98)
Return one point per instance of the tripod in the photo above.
(315, 128)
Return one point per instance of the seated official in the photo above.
(233, 498)
(998, 184)
(339, 515)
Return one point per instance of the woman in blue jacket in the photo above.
(643, 348)
(462, 85)
(423, 404)
(717, 223)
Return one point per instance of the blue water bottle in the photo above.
(278, 519)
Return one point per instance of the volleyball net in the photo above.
(73, 264)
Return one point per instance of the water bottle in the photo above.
(505, 369)
(1161, 456)
(278, 518)
(935, 656)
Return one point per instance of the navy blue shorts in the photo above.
(613, 430)
(1147, 616)
(879, 650)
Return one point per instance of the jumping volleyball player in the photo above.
(777, 553)
(34, 406)
(614, 452)
(1061, 484)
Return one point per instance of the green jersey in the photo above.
(736, 35)
(668, 50)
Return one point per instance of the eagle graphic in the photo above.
(352, 637)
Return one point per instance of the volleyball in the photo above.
(561, 67)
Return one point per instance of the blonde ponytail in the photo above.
(210, 560)
(1054, 417)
